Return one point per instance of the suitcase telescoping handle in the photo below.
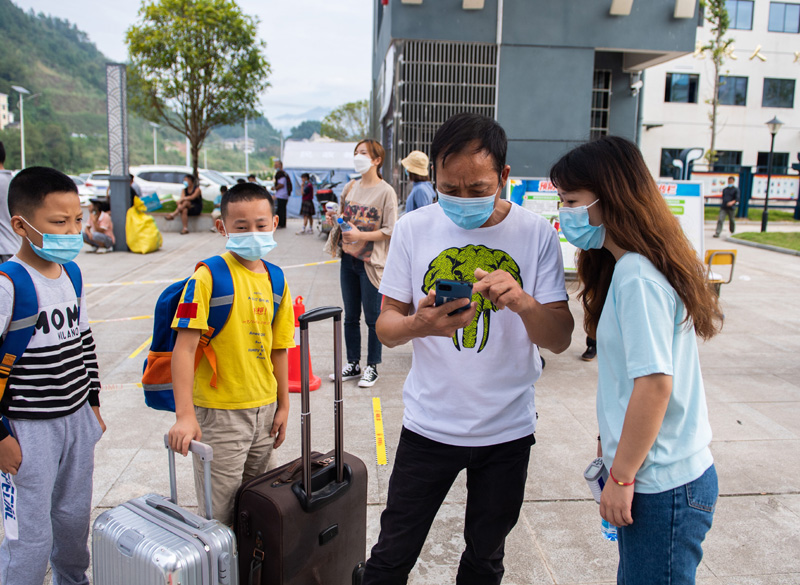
(206, 454)
(321, 314)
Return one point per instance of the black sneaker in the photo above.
(590, 353)
(351, 371)
(370, 376)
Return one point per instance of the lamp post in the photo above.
(155, 142)
(774, 125)
(22, 93)
(246, 148)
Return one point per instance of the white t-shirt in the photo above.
(475, 389)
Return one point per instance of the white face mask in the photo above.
(362, 163)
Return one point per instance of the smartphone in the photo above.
(450, 290)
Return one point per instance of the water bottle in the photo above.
(343, 225)
(609, 531)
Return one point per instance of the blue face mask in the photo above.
(58, 248)
(251, 245)
(186, 184)
(577, 229)
(467, 212)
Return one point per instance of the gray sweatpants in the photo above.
(53, 500)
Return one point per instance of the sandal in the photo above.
(184, 231)
(169, 216)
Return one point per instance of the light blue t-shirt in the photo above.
(641, 333)
(421, 195)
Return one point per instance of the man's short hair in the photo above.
(251, 176)
(462, 130)
(2, 153)
(305, 176)
(28, 189)
(731, 179)
(244, 192)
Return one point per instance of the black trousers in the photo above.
(281, 211)
(424, 470)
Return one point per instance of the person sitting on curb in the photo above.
(99, 232)
(190, 203)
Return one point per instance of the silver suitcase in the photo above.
(152, 541)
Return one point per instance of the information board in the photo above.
(684, 198)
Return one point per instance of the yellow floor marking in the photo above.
(141, 348)
(380, 439)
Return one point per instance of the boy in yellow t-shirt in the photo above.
(242, 412)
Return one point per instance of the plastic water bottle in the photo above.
(345, 227)
(609, 531)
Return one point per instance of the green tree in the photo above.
(305, 129)
(717, 48)
(348, 122)
(195, 65)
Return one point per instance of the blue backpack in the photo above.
(157, 374)
(26, 314)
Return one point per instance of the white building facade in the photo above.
(5, 120)
(760, 79)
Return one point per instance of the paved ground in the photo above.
(752, 381)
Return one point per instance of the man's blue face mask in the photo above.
(468, 213)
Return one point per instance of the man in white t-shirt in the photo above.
(469, 396)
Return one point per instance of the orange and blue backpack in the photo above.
(157, 375)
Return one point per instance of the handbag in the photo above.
(152, 202)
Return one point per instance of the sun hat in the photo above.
(416, 162)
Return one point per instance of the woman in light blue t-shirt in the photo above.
(645, 300)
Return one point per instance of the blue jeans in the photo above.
(663, 545)
(358, 292)
(424, 470)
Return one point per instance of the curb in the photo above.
(763, 246)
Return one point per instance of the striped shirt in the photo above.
(58, 371)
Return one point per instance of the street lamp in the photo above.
(22, 92)
(774, 125)
(155, 142)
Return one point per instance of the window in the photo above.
(784, 17)
(728, 161)
(601, 103)
(732, 91)
(778, 93)
(681, 88)
(740, 13)
(667, 156)
(780, 163)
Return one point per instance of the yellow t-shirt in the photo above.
(244, 370)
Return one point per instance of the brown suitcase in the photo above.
(286, 537)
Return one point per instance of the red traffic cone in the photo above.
(294, 354)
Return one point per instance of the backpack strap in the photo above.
(219, 309)
(278, 285)
(76, 278)
(23, 319)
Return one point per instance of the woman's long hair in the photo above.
(637, 219)
(375, 150)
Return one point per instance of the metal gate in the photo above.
(433, 81)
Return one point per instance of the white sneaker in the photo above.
(103, 250)
(369, 377)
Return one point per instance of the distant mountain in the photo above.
(65, 124)
(288, 121)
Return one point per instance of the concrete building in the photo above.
(759, 82)
(553, 74)
(4, 114)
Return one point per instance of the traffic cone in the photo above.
(294, 354)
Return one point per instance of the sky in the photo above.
(320, 51)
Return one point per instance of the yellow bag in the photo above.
(141, 232)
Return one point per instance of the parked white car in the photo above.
(167, 180)
(98, 182)
(84, 192)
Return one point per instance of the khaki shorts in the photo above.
(242, 448)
